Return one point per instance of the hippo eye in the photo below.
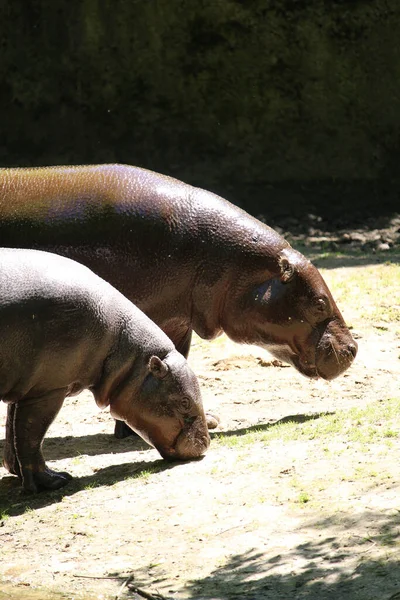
(321, 305)
(185, 404)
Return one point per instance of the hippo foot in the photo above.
(122, 430)
(44, 480)
(11, 464)
(212, 421)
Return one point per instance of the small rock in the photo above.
(316, 218)
(355, 236)
(383, 247)
(345, 238)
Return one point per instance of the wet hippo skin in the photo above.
(63, 329)
(188, 258)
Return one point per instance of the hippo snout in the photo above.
(335, 351)
(192, 442)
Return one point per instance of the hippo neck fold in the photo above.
(126, 364)
(245, 252)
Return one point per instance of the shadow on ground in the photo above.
(246, 577)
(14, 502)
(337, 567)
(299, 418)
(58, 448)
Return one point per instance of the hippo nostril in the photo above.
(352, 348)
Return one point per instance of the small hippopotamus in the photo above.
(189, 259)
(64, 329)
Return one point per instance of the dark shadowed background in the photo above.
(283, 106)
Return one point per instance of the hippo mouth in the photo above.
(329, 362)
(303, 362)
(335, 352)
(305, 367)
(192, 441)
(325, 358)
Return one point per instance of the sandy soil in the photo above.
(227, 526)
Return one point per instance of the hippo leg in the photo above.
(212, 420)
(184, 345)
(121, 429)
(184, 348)
(32, 418)
(10, 461)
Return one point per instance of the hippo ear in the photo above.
(287, 270)
(158, 367)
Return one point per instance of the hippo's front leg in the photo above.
(10, 461)
(32, 418)
(184, 348)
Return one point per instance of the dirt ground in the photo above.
(227, 526)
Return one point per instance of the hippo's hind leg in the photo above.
(10, 461)
(32, 418)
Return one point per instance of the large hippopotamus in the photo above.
(188, 258)
(63, 329)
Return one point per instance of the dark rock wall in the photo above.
(280, 105)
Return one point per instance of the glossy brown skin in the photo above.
(63, 329)
(188, 258)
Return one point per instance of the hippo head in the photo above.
(291, 313)
(167, 409)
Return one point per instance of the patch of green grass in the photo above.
(145, 474)
(371, 293)
(92, 485)
(387, 537)
(217, 470)
(4, 515)
(363, 472)
(303, 498)
(388, 433)
(346, 257)
(378, 422)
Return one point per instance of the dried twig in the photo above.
(369, 548)
(146, 595)
(127, 583)
(96, 577)
(123, 586)
(229, 529)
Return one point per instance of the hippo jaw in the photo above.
(192, 441)
(326, 360)
(175, 439)
(326, 351)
